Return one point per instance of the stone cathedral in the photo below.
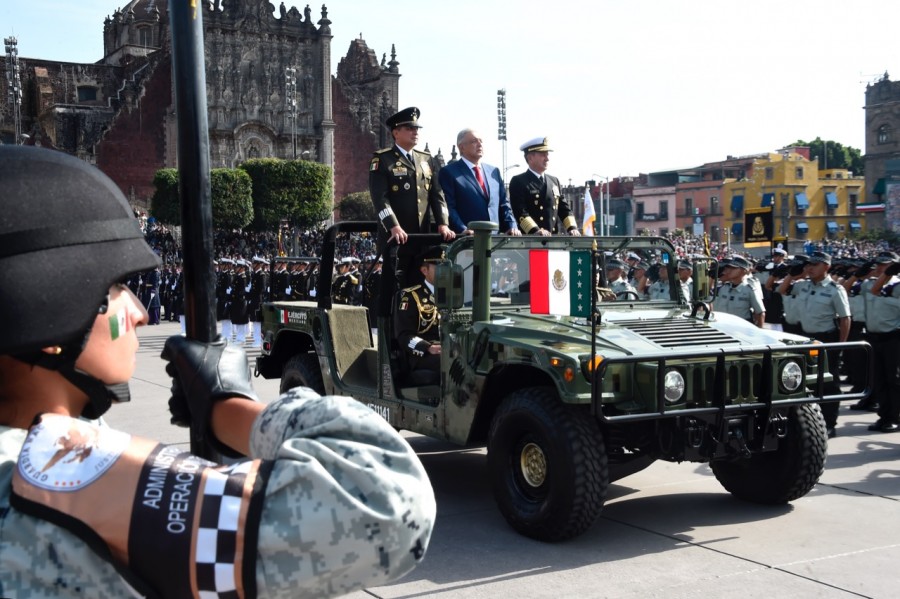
(270, 93)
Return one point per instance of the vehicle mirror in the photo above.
(702, 291)
(448, 286)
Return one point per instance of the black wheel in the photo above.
(787, 473)
(302, 371)
(547, 463)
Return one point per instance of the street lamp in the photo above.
(14, 84)
(290, 98)
(604, 206)
(501, 125)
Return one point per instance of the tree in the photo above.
(837, 155)
(165, 206)
(297, 190)
(357, 206)
(231, 197)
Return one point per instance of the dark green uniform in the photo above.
(417, 326)
(404, 193)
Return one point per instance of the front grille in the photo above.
(678, 332)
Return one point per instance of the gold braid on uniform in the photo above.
(428, 314)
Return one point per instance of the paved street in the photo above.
(669, 531)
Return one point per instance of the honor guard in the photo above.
(615, 279)
(417, 321)
(223, 295)
(240, 290)
(791, 307)
(404, 186)
(344, 285)
(259, 288)
(883, 333)
(737, 295)
(536, 197)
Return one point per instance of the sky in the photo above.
(619, 87)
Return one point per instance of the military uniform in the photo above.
(659, 290)
(404, 188)
(539, 205)
(883, 333)
(743, 300)
(417, 326)
(376, 532)
(343, 288)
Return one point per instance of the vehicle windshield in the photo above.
(523, 268)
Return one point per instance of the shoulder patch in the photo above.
(383, 151)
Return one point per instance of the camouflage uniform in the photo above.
(307, 525)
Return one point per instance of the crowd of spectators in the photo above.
(166, 240)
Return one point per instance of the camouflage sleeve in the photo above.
(348, 504)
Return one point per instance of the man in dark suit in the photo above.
(475, 190)
(536, 197)
(403, 187)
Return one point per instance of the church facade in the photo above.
(270, 93)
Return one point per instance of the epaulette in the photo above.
(383, 150)
(413, 288)
(426, 152)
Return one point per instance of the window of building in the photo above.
(884, 134)
(798, 172)
(714, 233)
(640, 211)
(714, 205)
(688, 206)
(145, 36)
(87, 93)
(852, 200)
(770, 173)
(663, 209)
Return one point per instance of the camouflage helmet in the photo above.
(66, 234)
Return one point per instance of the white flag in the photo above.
(587, 228)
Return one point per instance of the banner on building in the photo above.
(759, 227)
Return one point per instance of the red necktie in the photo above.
(480, 179)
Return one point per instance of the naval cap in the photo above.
(538, 144)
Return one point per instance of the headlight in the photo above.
(791, 377)
(673, 386)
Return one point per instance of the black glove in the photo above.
(893, 269)
(864, 270)
(202, 374)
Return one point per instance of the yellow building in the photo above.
(807, 203)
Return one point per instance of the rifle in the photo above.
(189, 68)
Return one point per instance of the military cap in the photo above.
(407, 116)
(819, 258)
(886, 257)
(641, 266)
(799, 259)
(738, 262)
(633, 256)
(614, 263)
(226, 261)
(431, 255)
(685, 264)
(347, 260)
(779, 252)
(538, 144)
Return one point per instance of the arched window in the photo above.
(145, 36)
(884, 134)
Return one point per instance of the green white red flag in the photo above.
(560, 282)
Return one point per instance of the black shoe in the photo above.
(865, 406)
(890, 427)
(876, 426)
(832, 433)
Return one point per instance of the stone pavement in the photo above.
(668, 532)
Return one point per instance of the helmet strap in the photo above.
(100, 395)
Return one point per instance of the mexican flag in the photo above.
(560, 282)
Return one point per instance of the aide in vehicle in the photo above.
(417, 321)
(88, 511)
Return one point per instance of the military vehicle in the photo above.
(566, 404)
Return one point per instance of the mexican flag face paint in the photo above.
(118, 324)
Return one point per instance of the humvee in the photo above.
(566, 404)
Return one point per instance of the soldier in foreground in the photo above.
(331, 498)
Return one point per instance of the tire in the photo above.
(789, 472)
(547, 463)
(302, 370)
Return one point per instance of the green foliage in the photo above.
(838, 156)
(297, 190)
(231, 196)
(357, 206)
(165, 206)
